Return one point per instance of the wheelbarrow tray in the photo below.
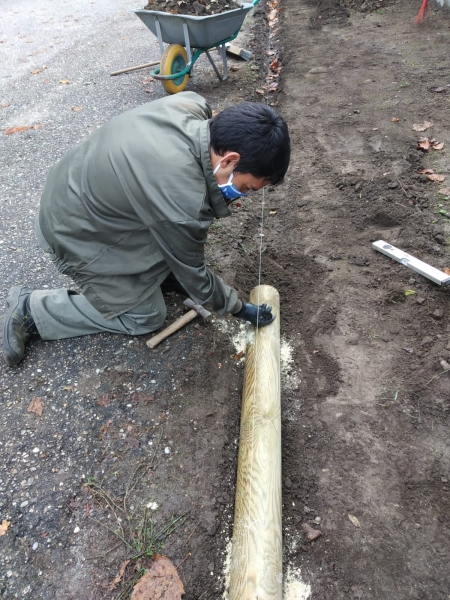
(204, 32)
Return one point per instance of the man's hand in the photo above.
(259, 316)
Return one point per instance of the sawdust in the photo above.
(294, 587)
(226, 570)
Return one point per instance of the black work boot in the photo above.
(18, 325)
(171, 284)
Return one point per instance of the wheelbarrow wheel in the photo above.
(174, 60)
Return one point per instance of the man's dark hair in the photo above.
(259, 134)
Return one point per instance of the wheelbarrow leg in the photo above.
(160, 40)
(222, 49)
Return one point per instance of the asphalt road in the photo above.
(71, 47)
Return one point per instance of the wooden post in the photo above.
(256, 559)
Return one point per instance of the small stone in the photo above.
(76, 530)
(444, 364)
(444, 479)
(23, 504)
(318, 520)
(409, 350)
(417, 525)
(288, 483)
(358, 186)
(427, 341)
(420, 301)
(167, 450)
(35, 545)
(356, 112)
(311, 533)
(392, 185)
(35, 450)
(438, 314)
(439, 238)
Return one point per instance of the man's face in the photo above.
(247, 183)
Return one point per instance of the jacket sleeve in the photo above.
(182, 246)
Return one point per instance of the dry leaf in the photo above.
(39, 126)
(446, 270)
(65, 81)
(260, 92)
(424, 145)
(438, 146)
(36, 71)
(395, 120)
(4, 527)
(149, 90)
(436, 177)
(161, 582)
(426, 125)
(425, 171)
(17, 129)
(112, 586)
(354, 520)
(148, 80)
(239, 355)
(5, 104)
(36, 406)
(445, 191)
(77, 108)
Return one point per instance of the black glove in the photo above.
(256, 315)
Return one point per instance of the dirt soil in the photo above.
(366, 389)
(192, 7)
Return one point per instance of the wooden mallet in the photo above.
(196, 310)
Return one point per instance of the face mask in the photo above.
(229, 190)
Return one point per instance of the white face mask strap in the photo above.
(216, 169)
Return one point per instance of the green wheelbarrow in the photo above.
(188, 37)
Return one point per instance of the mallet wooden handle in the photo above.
(175, 326)
(137, 67)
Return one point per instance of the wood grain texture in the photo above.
(175, 326)
(256, 559)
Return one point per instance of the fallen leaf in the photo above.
(112, 586)
(424, 145)
(426, 125)
(354, 520)
(4, 527)
(148, 80)
(446, 270)
(395, 120)
(239, 355)
(39, 126)
(438, 146)
(149, 90)
(436, 177)
(65, 81)
(425, 171)
(77, 108)
(5, 104)
(36, 71)
(161, 582)
(16, 129)
(260, 92)
(36, 406)
(445, 191)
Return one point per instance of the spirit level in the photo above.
(411, 262)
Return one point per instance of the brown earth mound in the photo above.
(192, 7)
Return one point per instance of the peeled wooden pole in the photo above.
(256, 559)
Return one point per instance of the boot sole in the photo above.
(8, 350)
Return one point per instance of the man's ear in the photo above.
(229, 159)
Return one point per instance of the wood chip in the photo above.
(36, 406)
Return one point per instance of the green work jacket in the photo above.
(134, 202)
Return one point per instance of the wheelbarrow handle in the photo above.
(255, 2)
